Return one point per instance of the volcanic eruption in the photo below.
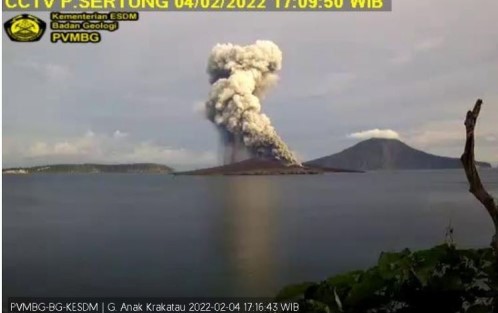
(240, 76)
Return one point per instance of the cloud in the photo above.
(491, 138)
(331, 84)
(163, 154)
(429, 44)
(375, 133)
(117, 147)
(199, 107)
(51, 71)
(426, 45)
(56, 72)
(442, 133)
(402, 58)
(450, 132)
(447, 137)
(119, 134)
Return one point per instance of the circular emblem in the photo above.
(25, 28)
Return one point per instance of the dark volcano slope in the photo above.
(386, 154)
(256, 166)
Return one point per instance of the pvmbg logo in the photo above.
(25, 28)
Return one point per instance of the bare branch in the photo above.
(469, 164)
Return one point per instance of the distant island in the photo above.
(89, 168)
(386, 154)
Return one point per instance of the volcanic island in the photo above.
(262, 166)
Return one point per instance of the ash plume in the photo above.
(240, 76)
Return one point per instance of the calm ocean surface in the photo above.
(160, 235)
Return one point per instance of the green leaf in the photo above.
(293, 292)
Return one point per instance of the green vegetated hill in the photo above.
(441, 279)
(91, 168)
(382, 154)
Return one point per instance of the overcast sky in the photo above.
(138, 95)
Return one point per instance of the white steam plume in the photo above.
(239, 76)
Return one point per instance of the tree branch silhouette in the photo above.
(469, 164)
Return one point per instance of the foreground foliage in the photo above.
(441, 279)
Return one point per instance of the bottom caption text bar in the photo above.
(115, 305)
